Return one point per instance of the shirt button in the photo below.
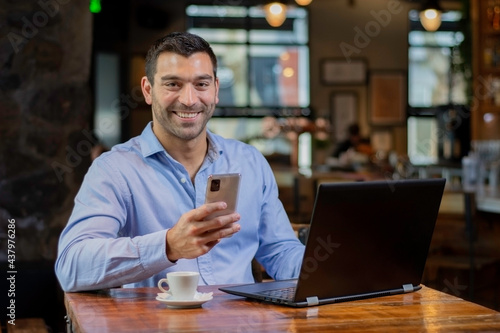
(183, 180)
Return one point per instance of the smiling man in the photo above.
(140, 211)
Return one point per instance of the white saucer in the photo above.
(196, 302)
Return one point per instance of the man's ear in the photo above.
(146, 90)
(216, 90)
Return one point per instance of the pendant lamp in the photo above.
(430, 16)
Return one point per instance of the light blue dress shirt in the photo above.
(133, 194)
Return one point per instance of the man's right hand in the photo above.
(192, 237)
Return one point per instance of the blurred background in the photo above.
(424, 94)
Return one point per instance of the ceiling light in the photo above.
(288, 72)
(303, 2)
(275, 13)
(430, 16)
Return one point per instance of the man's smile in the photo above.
(186, 115)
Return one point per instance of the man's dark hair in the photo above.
(182, 43)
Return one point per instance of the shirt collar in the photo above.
(150, 144)
(214, 149)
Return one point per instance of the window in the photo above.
(262, 70)
(437, 92)
(264, 77)
(432, 58)
(422, 140)
(107, 114)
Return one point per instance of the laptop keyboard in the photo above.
(284, 293)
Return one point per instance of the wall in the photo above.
(384, 25)
(45, 54)
(45, 106)
(376, 31)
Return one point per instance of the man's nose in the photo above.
(188, 95)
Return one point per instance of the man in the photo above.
(140, 210)
(354, 141)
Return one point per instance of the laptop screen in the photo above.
(369, 236)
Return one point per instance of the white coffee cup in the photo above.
(182, 285)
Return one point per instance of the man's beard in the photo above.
(169, 121)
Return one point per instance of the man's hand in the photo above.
(192, 237)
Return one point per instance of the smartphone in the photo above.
(223, 187)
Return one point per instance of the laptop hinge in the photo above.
(407, 288)
(313, 300)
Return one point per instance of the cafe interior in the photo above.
(420, 79)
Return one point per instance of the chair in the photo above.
(464, 259)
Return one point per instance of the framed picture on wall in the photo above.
(387, 97)
(339, 71)
(344, 111)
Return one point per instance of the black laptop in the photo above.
(366, 239)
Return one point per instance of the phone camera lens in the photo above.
(215, 185)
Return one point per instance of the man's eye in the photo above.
(172, 85)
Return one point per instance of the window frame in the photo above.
(250, 110)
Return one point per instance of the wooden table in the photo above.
(136, 310)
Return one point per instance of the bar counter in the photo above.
(137, 310)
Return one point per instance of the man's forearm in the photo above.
(92, 264)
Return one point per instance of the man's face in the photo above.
(183, 96)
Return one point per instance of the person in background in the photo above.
(354, 141)
(140, 210)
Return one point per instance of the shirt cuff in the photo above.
(152, 252)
